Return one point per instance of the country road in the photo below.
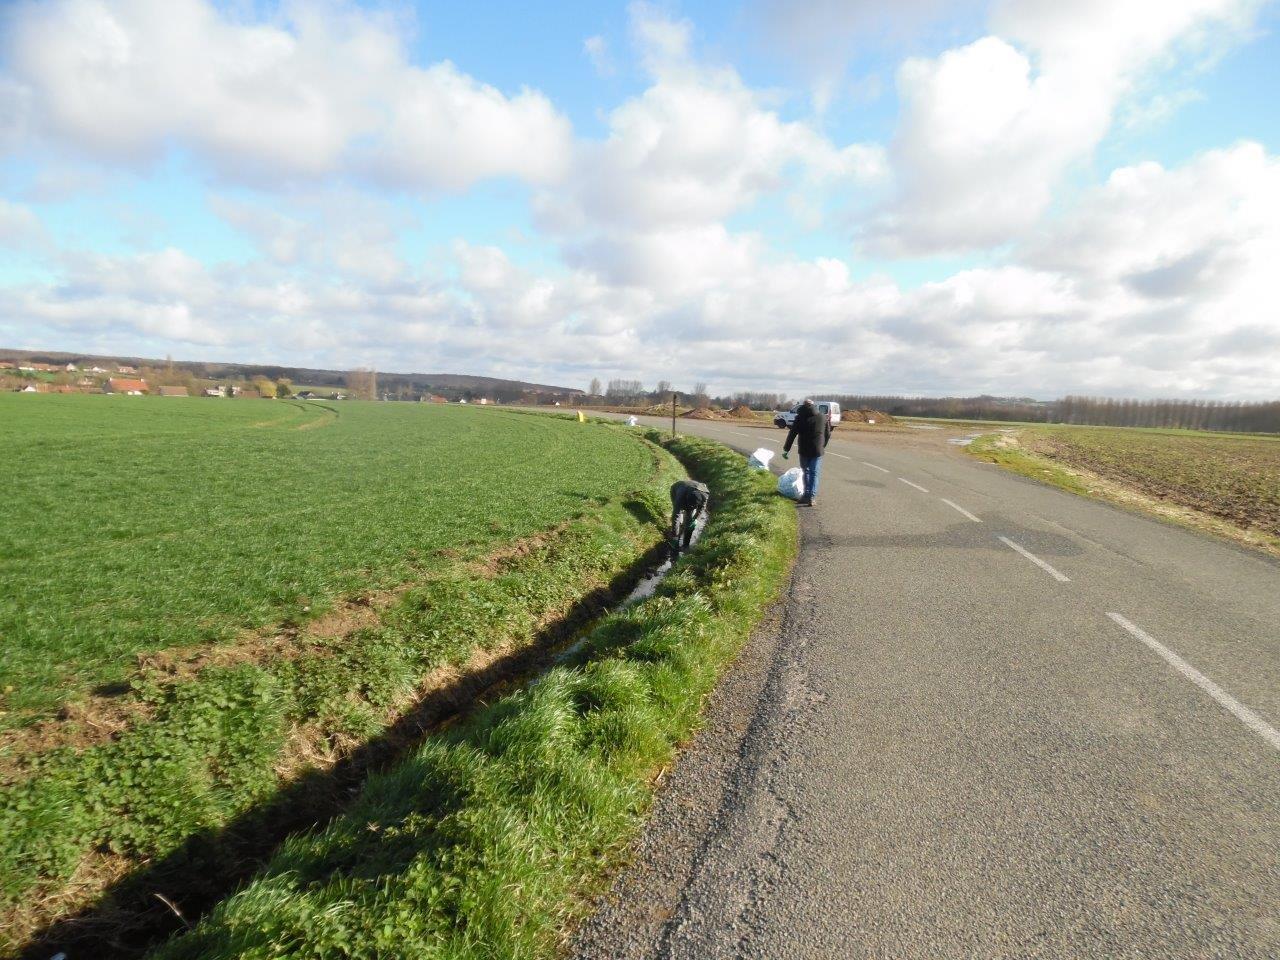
(992, 719)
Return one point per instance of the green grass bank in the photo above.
(489, 840)
(212, 752)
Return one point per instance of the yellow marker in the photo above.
(582, 417)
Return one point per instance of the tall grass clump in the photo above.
(488, 841)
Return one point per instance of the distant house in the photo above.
(133, 388)
(174, 392)
(71, 368)
(125, 369)
(29, 388)
(97, 369)
(305, 395)
(213, 392)
(434, 398)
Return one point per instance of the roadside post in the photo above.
(673, 415)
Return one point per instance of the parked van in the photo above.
(829, 408)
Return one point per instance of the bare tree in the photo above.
(363, 384)
(594, 389)
(700, 396)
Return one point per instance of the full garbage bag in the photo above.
(791, 484)
(760, 459)
(632, 421)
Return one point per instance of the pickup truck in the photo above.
(784, 418)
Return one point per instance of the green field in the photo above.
(255, 615)
(135, 524)
(235, 603)
(1232, 478)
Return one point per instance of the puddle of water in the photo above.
(922, 426)
(642, 590)
(964, 441)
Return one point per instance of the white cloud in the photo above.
(20, 228)
(597, 51)
(988, 130)
(821, 37)
(317, 91)
(1158, 283)
(694, 148)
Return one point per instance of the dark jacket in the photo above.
(812, 428)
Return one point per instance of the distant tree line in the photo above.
(1224, 415)
(1230, 416)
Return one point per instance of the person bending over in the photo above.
(688, 499)
(814, 430)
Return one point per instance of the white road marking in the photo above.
(910, 484)
(956, 506)
(841, 456)
(874, 467)
(1241, 712)
(1036, 560)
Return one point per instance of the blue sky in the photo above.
(937, 197)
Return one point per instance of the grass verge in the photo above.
(490, 839)
(231, 757)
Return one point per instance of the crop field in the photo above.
(216, 614)
(1233, 478)
(136, 524)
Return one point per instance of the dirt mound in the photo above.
(866, 415)
(706, 413)
(742, 412)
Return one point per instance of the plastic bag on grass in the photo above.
(791, 484)
(760, 459)
(632, 421)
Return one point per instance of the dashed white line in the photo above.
(956, 506)
(873, 466)
(1060, 577)
(841, 456)
(1241, 712)
(910, 484)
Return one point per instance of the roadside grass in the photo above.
(136, 524)
(1228, 484)
(489, 840)
(188, 791)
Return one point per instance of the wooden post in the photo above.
(673, 415)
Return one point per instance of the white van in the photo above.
(829, 408)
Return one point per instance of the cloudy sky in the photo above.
(1025, 197)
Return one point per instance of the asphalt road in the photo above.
(991, 720)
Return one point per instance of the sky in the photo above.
(1014, 197)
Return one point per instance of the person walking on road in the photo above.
(814, 430)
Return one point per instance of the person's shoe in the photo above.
(806, 501)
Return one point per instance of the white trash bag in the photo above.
(760, 459)
(632, 422)
(791, 484)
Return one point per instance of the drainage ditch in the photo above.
(148, 905)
